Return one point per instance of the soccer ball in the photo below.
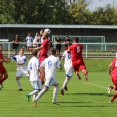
(47, 31)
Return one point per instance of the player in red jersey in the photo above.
(112, 70)
(77, 59)
(3, 72)
(43, 51)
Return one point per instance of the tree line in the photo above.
(55, 12)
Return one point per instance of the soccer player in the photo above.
(43, 51)
(77, 59)
(68, 69)
(50, 65)
(33, 71)
(3, 72)
(21, 67)
(112, 70)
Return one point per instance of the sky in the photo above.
(101, 3)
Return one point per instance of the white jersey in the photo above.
(20, 59)
(51, 63)
(33, 67)
(29, 40)
(67, 57)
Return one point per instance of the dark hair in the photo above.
(69, 44)
(42, 29)
(34, 52)
(53, 51)
(76, 39)
(0, 44)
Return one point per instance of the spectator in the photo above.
(58, 45)
(36, 40)
(29, 41)
(66, 41)
(16, 42)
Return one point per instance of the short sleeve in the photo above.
(14, 58)
(24, 59)
(64, 54)
(59, 64)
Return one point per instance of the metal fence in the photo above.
(91, 50)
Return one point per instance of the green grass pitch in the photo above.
(81, 100)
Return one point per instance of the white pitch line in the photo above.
(96, 85)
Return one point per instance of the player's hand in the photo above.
(7, 61)
(109, 72)
(30, 49)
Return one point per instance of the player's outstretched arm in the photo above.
(110, 68)
(38, 48)
(4, 60)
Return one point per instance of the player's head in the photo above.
(76, 40)
(52, 51)
(45, 35)
(29, 34)
(34, 53)
(21, 51)
(0, 47)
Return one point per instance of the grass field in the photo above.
(83, 99)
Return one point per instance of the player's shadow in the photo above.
(91, 94)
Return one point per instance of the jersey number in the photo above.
(69, 56)
(116, 64)
(49, 64)
(78, 49)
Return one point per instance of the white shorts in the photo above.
(50, 82)
(68, 70)
(22, 72)
(36, 85)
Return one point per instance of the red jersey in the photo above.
(45, 48)
(1, 57)
(114, 63)
(76, 51)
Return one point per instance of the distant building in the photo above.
(8, 31)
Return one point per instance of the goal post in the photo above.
(84, 39)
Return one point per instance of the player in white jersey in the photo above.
(68, 69)
(50, 65)
(21, 67)
(33, 71)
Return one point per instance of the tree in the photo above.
(6, 11)
(79, 13)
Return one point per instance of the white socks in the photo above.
(19, 84)
(40, 94)
(34, 92)
(65, 83)
(55, 92)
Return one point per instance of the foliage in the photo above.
(55, 12)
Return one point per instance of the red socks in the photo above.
(3, 79)
(114, 97)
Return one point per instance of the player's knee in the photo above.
(17, 78)
(6, 75)
(46, 88)
(85, 72)
(57, 85)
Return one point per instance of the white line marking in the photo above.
(96, 85)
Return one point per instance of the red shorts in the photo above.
(42, 58)
(78, 65)
(2, 70)
(114, 79)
